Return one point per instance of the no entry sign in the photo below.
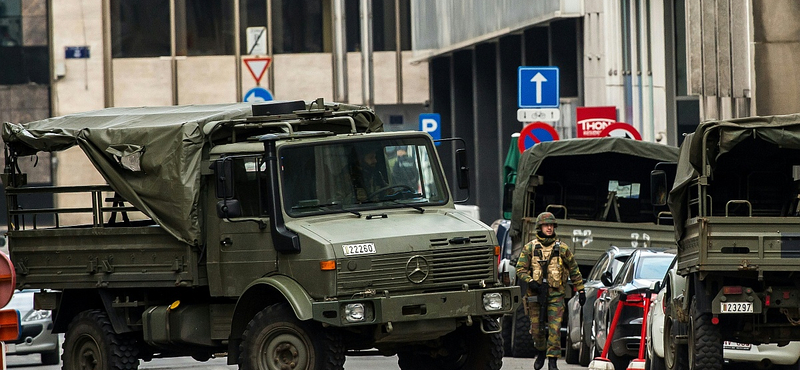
(535, 133)
(620, 129)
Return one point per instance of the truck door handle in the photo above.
(227, 242)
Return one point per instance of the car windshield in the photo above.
(347, 176)
(652, 267)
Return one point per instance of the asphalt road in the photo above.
(353, 363)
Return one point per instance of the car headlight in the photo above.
(354, 312)
(37, 315)
(492, 301)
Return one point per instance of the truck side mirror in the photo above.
(223, 172)
(658, 187)
(606, 279)
(463, 169)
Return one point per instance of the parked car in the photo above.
(663, 352)
(36, 327)
(580, 338)
(642, 268)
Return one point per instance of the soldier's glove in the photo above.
(582, 297)
(533, 285)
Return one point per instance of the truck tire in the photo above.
(507, 330)
(91, 344)
(467, 348)
(705, 341)
(275, 339)
(522, 345)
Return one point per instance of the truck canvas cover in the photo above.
(151, 156)
(721, 137)
(598, 150)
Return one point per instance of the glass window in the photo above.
(383, 25)
(348, 176)
(599, 268)
(247, 180)
(140, 28)
(297, 26)
(20, 64)
(253, 13)
(205, 27)
(653, 267)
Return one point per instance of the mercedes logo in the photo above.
(417, 269)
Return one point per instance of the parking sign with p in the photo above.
(432, 124)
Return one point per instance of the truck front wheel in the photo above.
(467, 348)
(91, 344)
(705, 341)
(275, 339)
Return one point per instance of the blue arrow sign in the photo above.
(257, 94)
(538, 87)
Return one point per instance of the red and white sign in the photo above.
(534, 133)
(620, 129)
(257, 67)
(592, 120)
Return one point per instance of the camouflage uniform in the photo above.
(528, 269)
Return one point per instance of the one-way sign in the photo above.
(538, 87)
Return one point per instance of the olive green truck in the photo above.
(737, 222)
(250, 231)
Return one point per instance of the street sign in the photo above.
(257, 40)
(540, 114)
(592, 120)
(535, 133)
(257, 94)
(538, 87)
(257, 67)
(432, 124)
(76, 52)
(620, 129)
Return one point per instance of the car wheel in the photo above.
(653, 362)
(571, 355)
(675, 356)
(91, 344)
(705, 341)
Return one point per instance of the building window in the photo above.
(383, 25)
(20, 64)
(140, 28)
(252, 13)
(204, 27)
(297, 26)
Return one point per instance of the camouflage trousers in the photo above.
(550, 339)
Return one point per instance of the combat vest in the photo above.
(551, 257)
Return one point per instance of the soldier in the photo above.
(544, 264)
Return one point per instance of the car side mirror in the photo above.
(607, 278)
(463, 169)
(223, 172)
(655, 286)
(658, 188)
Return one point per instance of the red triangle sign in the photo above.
(257, 67)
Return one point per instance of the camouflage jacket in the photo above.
(528, 269)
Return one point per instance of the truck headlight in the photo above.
(492, 301)
(354, 312)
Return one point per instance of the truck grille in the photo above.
(446, 268)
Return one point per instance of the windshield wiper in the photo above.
(318, 206)
(409, 205)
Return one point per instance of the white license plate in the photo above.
(735, 345)
(356, 249)
(737, 307)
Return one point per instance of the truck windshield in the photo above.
(353, 175)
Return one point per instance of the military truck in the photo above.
(250, 231)
(737, 223)
(599, 190)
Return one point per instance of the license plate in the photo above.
(356, 249)
(735, 345)
(737, 307)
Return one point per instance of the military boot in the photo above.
(551, 364)
(539, 364)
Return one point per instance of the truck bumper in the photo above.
(463, 304)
